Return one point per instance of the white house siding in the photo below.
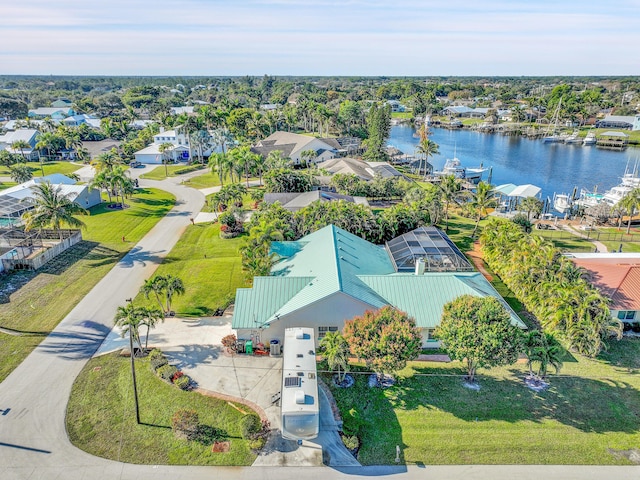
(88, 198)
(316, 144)
(148, 158)
(331, 311)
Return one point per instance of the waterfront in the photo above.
(552, 167)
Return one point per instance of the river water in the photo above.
(552, 167)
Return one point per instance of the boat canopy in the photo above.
(524, 191)
(505, 189)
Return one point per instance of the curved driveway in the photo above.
(33, 399)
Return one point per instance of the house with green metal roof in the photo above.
(330, 276)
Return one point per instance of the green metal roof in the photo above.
(254, 305)
(424, 296)
(334, 258)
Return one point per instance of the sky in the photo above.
(320, 37)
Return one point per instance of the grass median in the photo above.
(33, 303)
(101, 418)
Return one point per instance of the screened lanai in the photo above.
(439, 253)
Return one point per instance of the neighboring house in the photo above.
(179, 152)
(330, 276)
(467, 112)
(20, 124)
(620, 121)
(62, 103)
(54, 113)
(77, 120)
(363, 170)
(14, 201)
(396, 106)
(292, 145)
(295, 201)
(100, 147)
(181, 110)
(29, 135)
(617, 277)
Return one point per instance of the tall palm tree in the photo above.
(173, 286)
(155, 285)
(107, 160)
(129, 319)
(450, 191)
(482, 199)
(149, 317)
(22, 145)
(52, 209)
(119, 182)
(335, 350)
(164, 148)
(427, 148)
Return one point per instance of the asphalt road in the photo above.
(33, 399)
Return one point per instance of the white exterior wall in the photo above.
(148, 158)
(316, 145)
(88, 198)
(331, 311)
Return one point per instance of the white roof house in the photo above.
(181, 110)
(57, 113)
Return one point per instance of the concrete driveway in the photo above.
(195, 346)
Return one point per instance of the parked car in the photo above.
(137, 165)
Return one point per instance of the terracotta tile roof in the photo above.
(618, 279)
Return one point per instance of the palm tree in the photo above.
(173, 286)
(129, 319)
(149, 317)
(52, 209)
(427, 148)
(482, 199)
(631, 202)
(119, 182)
(21, 145)
(107, 160)
(450, 191)
(531, 205)
(20, 173)
(155, 285)
(335, 350)
(163, 149)
(543, 348)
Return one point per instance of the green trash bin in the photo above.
(248, 347)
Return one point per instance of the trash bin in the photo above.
(274, 348)
(248, 347)
(240, 345)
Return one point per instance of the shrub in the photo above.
(156, 353)
(257, 443)
(166, 372)
(185, 424)
(250, 426)
(183, 382)
(176, 376)
(158, 362)
(352, 423)
(351, 442)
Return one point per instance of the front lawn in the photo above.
(210, 268)
(64, 167)
(159, 172)
(436, 420)
(101, 418)
(33, 303)
(205, 181)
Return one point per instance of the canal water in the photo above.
(552, 167)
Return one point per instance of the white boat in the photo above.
(562, 202)
(590, 139)
(574, 138)
(630, 181)
(550, 134)
(453, 167)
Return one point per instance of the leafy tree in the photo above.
(335, 350)
(523, 222)
(386, 339)
(378, 128)
(52, 209)
(22, 145)
(479, 332)
(286, 180)
(220, 164)
(631, 202)
(20, 173)
(451, 192)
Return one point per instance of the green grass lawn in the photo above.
(205, 181)
(564, 240)
(158, 173)
(63, 167)
(403, 115)
(436, 420)
(4, 185)
(35, 302)
(209, 266)
(101, 419)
